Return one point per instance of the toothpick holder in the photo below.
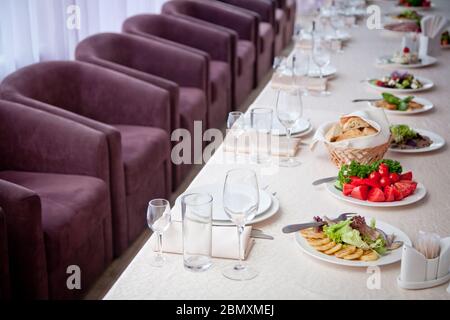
(418, 272)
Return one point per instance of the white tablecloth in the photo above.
(285, 271)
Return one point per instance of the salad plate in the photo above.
(386, 85)
(386, 61)
(437, 142)
(302, 126)
(389, 258)
(426, 105)
(215, 190)
(418, 195)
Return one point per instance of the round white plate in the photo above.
(415, 197)
(427, 105)
(391, 257)
(278, 129)
(215, 190)
(384, 61)
(273, 210)
(438, 142)
(328, 71)
(427, 84)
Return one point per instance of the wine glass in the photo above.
(240, 202)
(289, 111)
(322, 58)
(158, 219)
(236, 125)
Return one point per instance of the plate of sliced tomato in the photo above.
(377, 186)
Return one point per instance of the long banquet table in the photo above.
(285, 271)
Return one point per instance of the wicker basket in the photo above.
(343, 155)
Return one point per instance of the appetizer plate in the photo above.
(391, 257)
(438, 142)
(427, 84)
(415, 197)
(215, 190)
(427, 105)
(302, 126)
(385, 61)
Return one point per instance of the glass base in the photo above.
(197, 263)
(157, 261)
(240, 273)
(289, 162)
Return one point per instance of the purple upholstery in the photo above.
(266, 34)
(240, 26)
(101, 99)
(5, 293)
(54, 189)
(289, 8)
(281, 23)
(149, 60)
(214, 44)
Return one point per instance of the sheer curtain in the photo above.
(39, 30)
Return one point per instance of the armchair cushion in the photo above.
(245, 54)
(220, 79)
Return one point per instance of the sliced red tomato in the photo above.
(375, 176)
(395, 177)
(356, 181)
(360, 192)
(406, 176)
(389, 194)
(347, 189)
(383, 170)
(376, 195)
(397, 194)
(413, 187)
(385, 181)
(404, 188)
(371, 183)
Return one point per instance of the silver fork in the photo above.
(297, 227)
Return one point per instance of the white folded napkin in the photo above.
(224, 241)
(430, 39)
(377, 119)
(284, 82)
(307, 44)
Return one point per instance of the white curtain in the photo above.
(39, 30)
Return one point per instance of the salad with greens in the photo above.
(404, 137)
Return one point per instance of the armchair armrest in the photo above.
(22, 209)
(33, 140)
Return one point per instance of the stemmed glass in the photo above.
(240, 202)
(158, 219)
(236, 125)
(322, 58)
(289, 111)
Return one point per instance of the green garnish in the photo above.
(401, 133)
(401, 104)
(354, 169)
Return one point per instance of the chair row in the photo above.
(86, 144)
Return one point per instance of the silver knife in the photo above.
(297, 227)
(324, 180)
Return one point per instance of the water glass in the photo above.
(261, 123)
(236, 127)
(196, 211)
(158, 219)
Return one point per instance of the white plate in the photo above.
(427, 105)
(328, 71)
(215, 190)
(415, 197)
(384, 61)
(278, 129)
(438, 142)
(391, 257)
(273, 210)
(427, 84)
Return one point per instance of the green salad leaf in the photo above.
(353, 238)
(401, 133)
(401, 104)
(335, 231)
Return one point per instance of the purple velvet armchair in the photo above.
(54, 190)
(266, 31)
(5, 293)
(241, 27)
(214, 44)
(289, 7)
(134, 116)
(183, 73)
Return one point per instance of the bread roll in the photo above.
(350, 134)
(334, 132)
(354, 123)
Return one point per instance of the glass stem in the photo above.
(235, 148)
(289, 135)
(240, 230)
(160, 254)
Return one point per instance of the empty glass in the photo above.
(240, 202)
(158, 219)
(196, 209)
(261, 123)
(322, 58)
(236, 127)
(289, 111)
